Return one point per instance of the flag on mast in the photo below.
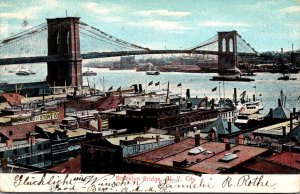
(110, 88)
(150, 83)
(157, 83)
(243, 93)
(179, 85)
(214, 89)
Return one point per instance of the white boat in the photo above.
(244, 119)
(255, 105)
(249, 107)
(24, 70)
(152, 72)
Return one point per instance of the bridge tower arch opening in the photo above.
(227, 49)
(64, 47)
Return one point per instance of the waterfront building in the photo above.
(105, 155)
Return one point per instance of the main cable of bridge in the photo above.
(96, 33)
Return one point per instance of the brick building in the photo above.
(162, 116)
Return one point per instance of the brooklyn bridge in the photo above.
(64, 42)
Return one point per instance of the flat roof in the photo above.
(215, 147)
(289, 159)
(276, 129)
(166, 151)
(267, 167)
(77, 132)
(146, 138)
(113, 111)
(212, 165)
(4, 120)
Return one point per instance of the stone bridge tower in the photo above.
(227, 48)
(64, 47)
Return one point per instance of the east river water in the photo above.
(199, 84)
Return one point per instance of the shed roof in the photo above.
(221, 125)
(280, 112)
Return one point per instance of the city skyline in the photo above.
(265, 24)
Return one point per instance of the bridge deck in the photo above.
(92, 55)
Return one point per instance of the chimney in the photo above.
(234, 96)
(279, 102)
(225, 140)
(294, 112)
(229, 127)
(188, 95)
(240, 139)
(140, 88)
(271, 112)
(177, 139)
(227, 146)
(157, 138)
(99, 123)
(212, 104)
(197, 140)
(9, 143)
(283, 131)
(189, 105)
(135, 88)
(253, 97)
(115, 133)
(291, 121)
(31, 139)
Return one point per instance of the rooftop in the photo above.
(282, 163)
(209, 147)
(289, 159)
(280, 112)
(293, 135)
(145, 138)
(71, 166)
(276, 129)
(50, 128)
(77, 132)
(213, 165)
(267, 167)
(166, 151)
(221, 124)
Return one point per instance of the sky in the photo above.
(267, 25)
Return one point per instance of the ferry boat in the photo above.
(255, 105)
(89, 73)
(24, 70)
(246, 118)
(152, 72)
(249, 107)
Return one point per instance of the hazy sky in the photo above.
(265, 24)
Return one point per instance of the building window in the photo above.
(10, 133)
(27, 160)
(26, 149)
(39, 147)
(15, 151)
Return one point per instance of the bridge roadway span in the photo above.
(92, 55)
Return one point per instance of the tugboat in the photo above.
(89, 73)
